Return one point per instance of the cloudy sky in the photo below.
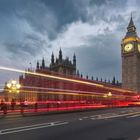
(93, 29)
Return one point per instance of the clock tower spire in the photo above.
(130, 50)
(131, 29)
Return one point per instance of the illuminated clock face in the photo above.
(139, 47)
(128, 47)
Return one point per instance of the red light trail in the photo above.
(103, 98)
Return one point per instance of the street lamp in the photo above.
(13, 86)
(109, 94)
(108, 98)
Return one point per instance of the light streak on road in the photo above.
(97, 94)
(65, 79)
(49, 76)
(85, 94)
(54, 92)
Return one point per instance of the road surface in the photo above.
(108, 124)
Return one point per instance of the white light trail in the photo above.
(49, 76)
(65, 79)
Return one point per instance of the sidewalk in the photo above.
(33, 112)
(45, 111)
(10, 114)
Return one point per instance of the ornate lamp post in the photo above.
(109, 94)
(108, 98)
(13, 87)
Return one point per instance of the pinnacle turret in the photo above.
(43, 63)
(74, 60)
(52, 58)
(60, 55)
(37, 65)
(131, 29)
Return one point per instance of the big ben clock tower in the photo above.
(130, 50)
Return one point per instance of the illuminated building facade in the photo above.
(46, 85)
(34, 86)
(59, 66)
(130, 50)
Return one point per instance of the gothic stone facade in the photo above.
(60, 65)
(130, 50)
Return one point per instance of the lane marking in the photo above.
(137, 115)
(126, 111)
(85, 117)
(102, 115)
(93, 118)
(28, 126)
(99, 117)
(15, 130)
(80, 119)
(106, 114)
(115, 116)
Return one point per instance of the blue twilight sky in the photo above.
(93, 29)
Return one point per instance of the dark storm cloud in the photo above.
(40, 17)
(10, 7)
(31, 46)
(45, 17)
(68, 11)
(98, 57)
(21, 49)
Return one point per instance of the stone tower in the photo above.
(130, 51)
(64, 66)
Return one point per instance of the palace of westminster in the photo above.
(130, 52)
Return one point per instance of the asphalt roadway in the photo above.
(107, 124)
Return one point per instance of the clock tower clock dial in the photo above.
(128, 47)
(131, 59)
(139, 48)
